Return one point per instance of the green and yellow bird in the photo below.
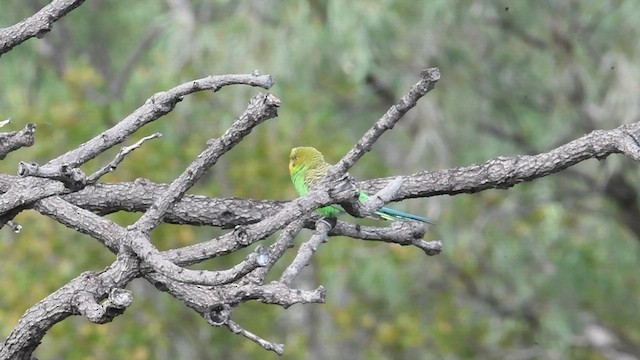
(307, 167)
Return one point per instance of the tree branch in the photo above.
(267, 345)
(261, 108)
(158, 105)
(92, 179)
(15, 140)
(386, 122)
(37, 25)
(306, 251)
(499, 173)
(505, 172)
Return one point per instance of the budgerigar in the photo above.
(307, 167)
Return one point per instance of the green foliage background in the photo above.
(524, 273)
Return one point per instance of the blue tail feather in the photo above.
(392, 214)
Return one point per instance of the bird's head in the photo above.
(302, 157)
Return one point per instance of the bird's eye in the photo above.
(294, 158)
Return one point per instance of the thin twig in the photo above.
(386, 122)
(268, 345)
(306, 251)
(93, 178)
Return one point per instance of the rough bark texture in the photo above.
(59, 190)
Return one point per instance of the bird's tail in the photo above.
(392, 214)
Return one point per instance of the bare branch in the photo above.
(213, 294)
(276, 293)
(267, 345)
(36, 321)
(498, 173)
(211, 303)
(306, 251)
(158, 105)
(119, 158)
(399, 232)
(243, 236)
(87, 305)
(387, 121)
(26, 190)
(361, 209)
(155, 107)
(37, 25)
(261, 107)
(190, 209)
(153, 257)
(109, 233)
(382, 197)
(84, 221)
(501, 173)
(15, 140)
(505, 172)
(201, 210)
(203, 291)
(72, 178)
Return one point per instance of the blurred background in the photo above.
(544, 270)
